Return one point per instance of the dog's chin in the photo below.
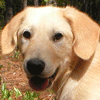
(39, 84)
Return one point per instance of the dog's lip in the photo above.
(38, 83)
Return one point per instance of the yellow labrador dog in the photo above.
(61, 49)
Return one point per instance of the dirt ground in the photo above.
(11, 72)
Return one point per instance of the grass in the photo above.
(1, 66)
(16, 54)
(6, 94)
(15, 94)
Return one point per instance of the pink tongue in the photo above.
(38, 83)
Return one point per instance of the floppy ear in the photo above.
(85, 31)
(9, 33)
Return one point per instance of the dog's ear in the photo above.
(9, 33)
(85, 31)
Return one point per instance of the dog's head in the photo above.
(48, 38)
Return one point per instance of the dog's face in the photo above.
(45, 41)
(47, 38)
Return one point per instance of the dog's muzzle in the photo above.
(35, 67)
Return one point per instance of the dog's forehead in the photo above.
(42, 15)
(45, 19)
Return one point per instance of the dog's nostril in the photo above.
(35, 66)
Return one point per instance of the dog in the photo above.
(61, 49)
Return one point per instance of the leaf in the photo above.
(35, 95)
(10, 98)
(16, 54)
(28, 96)
(51, 91)
(1, 66)
(46, 0)
(18, 93)
(5, 93)
(3, 87)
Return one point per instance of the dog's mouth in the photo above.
(37, 83)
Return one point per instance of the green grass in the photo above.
(30, 96)
(1, 66)
(16, 54)
(8, 95)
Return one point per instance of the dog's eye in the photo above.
(27, 34)
(57, 36)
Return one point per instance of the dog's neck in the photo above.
(70, 79)
(64, 76)
(65, 86)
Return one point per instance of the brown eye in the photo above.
(57, 37)
(27, 34)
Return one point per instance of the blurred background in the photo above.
(8, 8)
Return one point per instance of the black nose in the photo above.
(35, 66)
